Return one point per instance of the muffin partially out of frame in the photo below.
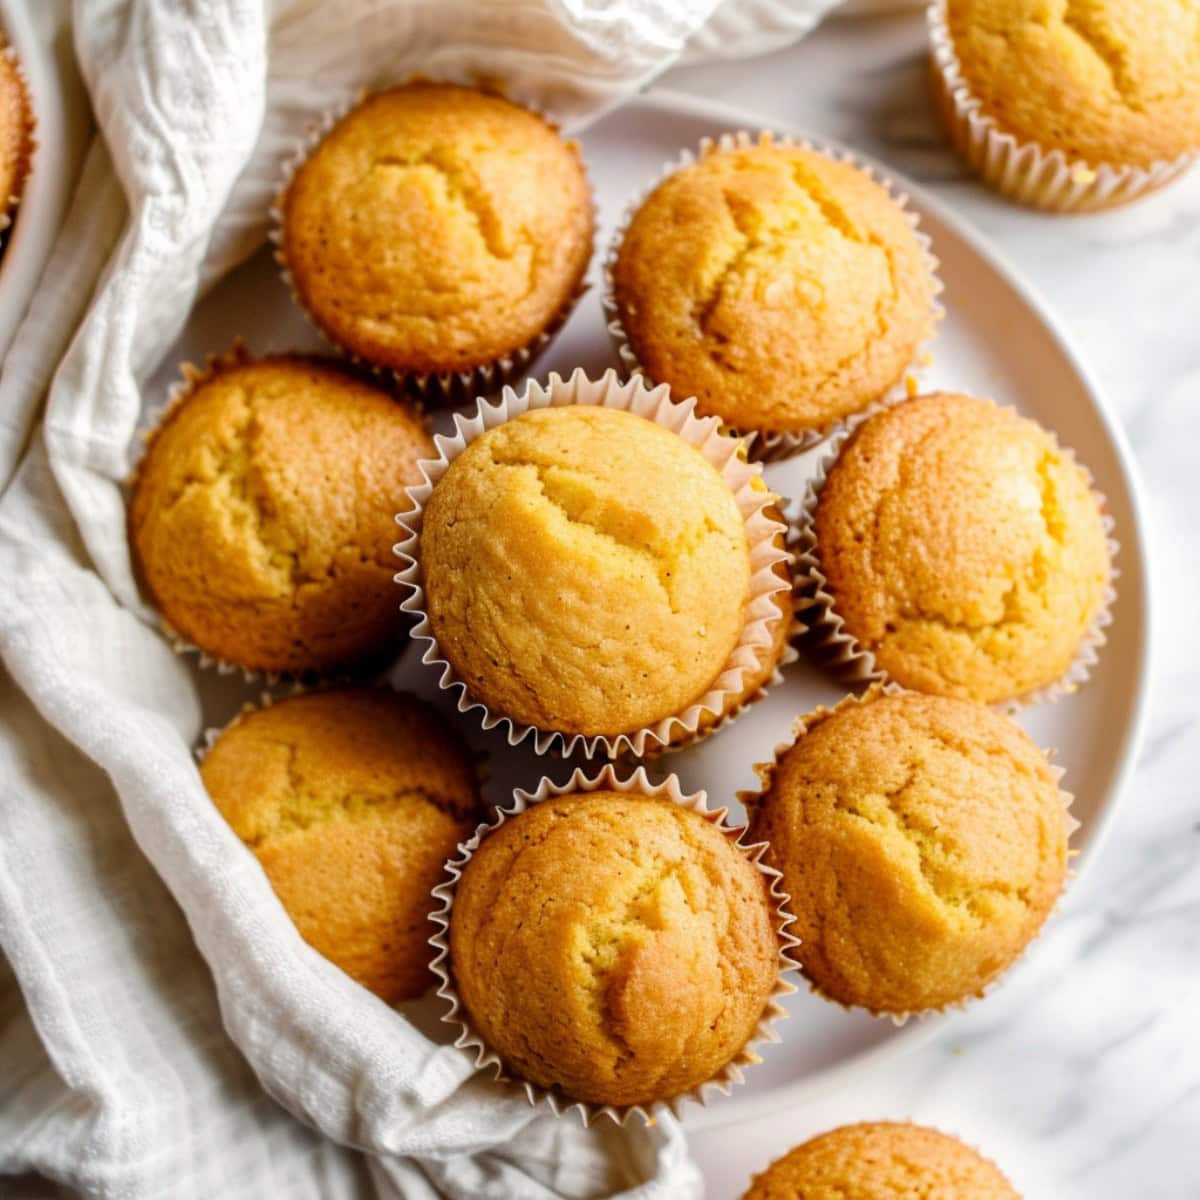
(352, 800)
(262, 514)
(16, 134)
(882, 1160)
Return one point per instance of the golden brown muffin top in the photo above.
(263, 514)
(923, 841)
(352, 800)
(16, 130)
(614, 945)
(962, 547)
(1106, 81)
(781, 288)
(882, 1160)
(437, 228)
(585, 570)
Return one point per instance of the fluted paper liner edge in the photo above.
(1023, 170)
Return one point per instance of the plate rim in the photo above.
(742, 1107)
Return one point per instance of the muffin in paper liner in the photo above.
(445, 388)
(191, 378)
(840, 654)
(28, 149)
(766, 770)
(773, 446)
(744, 480)
(608, 779)
(1023, 170)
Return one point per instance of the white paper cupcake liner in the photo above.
(765, 772)
(449, 388)
(191, 378)
(772, 446)
(842, 655)
(8, 215)
(704, 433)
(608, 779)
(1023, 170)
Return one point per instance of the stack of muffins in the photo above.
(600, 565)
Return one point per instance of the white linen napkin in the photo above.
(131, 1087)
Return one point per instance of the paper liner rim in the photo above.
(607, 778)
(1022, 170)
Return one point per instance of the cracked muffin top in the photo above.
(616, 946)
(585, 570)
(923, 842)
(1105, 81)
(16, 131)
(437, 228)
(882, 1160)
(352, 800)
(782, 289)
(962, 547)
(262, 515)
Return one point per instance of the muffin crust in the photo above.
(352, 800)
(882, 1161)
(962, 547)
(437, 228)
(1105, 81)
(585, 570)
(615, 945)
(781, 288)
(923, 842)
(262, 515)
(16, 131)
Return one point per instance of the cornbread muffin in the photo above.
(783, 289)
(962, 547)
(585, 570)
(352, 800)
(1105, 81)
(16, 132)
(922, 840)
(262, 515)
(616, 946)
(437, 228)
(882, 1161)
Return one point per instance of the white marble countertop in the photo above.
(1082, 1077)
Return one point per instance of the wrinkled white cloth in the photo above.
(123, 1071)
